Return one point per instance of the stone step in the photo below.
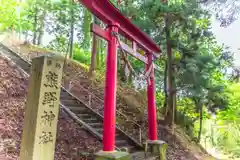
(91, 120)
(127, 148)
(85, 116)
(99, 130)
(64, 93)
(96, 125)
(70, 102)
(143, 156)
(77, 109)
(67, 97)
(121, 142)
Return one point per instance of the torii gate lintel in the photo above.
(108, 13)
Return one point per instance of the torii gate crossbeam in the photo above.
(105, 10)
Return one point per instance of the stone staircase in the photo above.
(94, 121)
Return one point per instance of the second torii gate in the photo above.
(118, 24)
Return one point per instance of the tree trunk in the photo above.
(41, 28)
(130, 77)
(94, 54)
(99, 59)
(200, 121)
(174, 94)
(123, 77)
(94, 50)
(87, 19)
(19, 19)
(164, 108)
(199, 108)
(35, 25)
(71, 31)
(99, 56)
(26, 36)
(128, 72)
(169, 117)
(123, 65)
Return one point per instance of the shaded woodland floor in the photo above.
(72, 140)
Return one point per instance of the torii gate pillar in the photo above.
(156, 146)
(109, 122)
(152, 112)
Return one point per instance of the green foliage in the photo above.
(58, 44)
(8, 17)
(87, 19)
(81, 55)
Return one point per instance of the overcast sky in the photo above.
(229, 36)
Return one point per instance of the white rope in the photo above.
(147, 74)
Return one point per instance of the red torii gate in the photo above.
(118, 24)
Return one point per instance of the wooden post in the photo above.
(42, 109)
(109, 121)
(152, 111)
